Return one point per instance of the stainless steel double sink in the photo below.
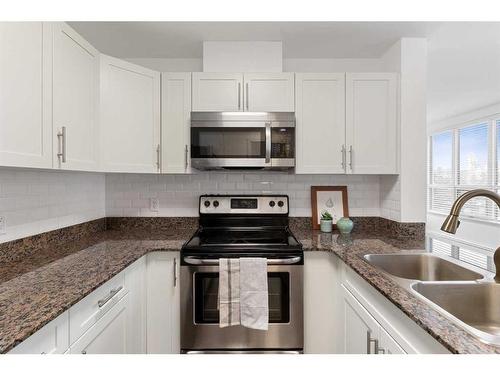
(469, 297)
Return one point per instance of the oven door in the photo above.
(200, 329)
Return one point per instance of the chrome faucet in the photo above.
(452, 222)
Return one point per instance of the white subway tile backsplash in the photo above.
(38, 201)
(126, 194)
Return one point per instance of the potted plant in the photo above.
(326, 222)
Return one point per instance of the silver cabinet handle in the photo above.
(268, 142)
(111, 294)
(239, 95)
(198, 261)
(350, 157)
(61, 137)
(369, 341)
(84, 352)
(380, 350)
(186, 156)
(175, 272)
(158, 160)
(246, 95)
(342, 151)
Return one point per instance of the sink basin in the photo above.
(423, 266)
(477, 305)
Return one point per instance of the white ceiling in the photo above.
(300, 39)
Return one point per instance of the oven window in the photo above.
(228, 143)
(206, 289)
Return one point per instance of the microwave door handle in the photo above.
(200, 262)
(268, 142)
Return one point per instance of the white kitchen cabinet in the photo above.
(217, 92)
(269, 92)
(130, 117)
(53, 338)
(75, 100)
(108, 335)
(175, 122)
(364, 309)
(320, 116)
(135, 283)
(25, 95)
(362, 334)
(163, 303)
(371, 123)
(321, 281)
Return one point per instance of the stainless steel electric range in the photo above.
(242, 226)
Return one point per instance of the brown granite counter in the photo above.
(455, 338)
(44, 275)
(36, 289)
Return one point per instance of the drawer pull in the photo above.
(111, 294)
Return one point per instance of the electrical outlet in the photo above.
(154, 204)
(3, 225)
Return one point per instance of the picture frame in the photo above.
(328, 198)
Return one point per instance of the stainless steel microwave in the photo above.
(225, 140)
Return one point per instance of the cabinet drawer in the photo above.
(108, 335)
(51, 339)
(90, 309)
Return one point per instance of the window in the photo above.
(467, 253)
(463, 159)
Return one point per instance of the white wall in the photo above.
(128, 194)
(464, 74)
(35, 201)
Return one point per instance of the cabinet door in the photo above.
(130, 117)
(53, 338)
(108, 335)
(269, 92)
(387, 345)
(163, 304)
(175, 122)
(215, 92)
(25, 95)
(135, 283)
(320, 114)
(75, 100)
(361, 330)
(371, 123)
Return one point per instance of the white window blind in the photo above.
(463, 159)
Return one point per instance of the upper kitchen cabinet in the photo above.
(217, 92)
(251, 92)
(175, 122)
(269, 92)
(130, 117)
(320, 116)
(371, 123)
(25, 106)
(75, 100)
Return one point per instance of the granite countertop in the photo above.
(35, 289)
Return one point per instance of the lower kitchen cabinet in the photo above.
(362, 334)
(108, 335)
(163, 303)
(369, 323)
(53, 338)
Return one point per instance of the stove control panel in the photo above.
(264, 204)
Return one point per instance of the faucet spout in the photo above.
(451, 223)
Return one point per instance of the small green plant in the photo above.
(325, 215)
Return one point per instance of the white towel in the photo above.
(229, 292)
(254, 300)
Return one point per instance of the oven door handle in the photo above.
(199, 262)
